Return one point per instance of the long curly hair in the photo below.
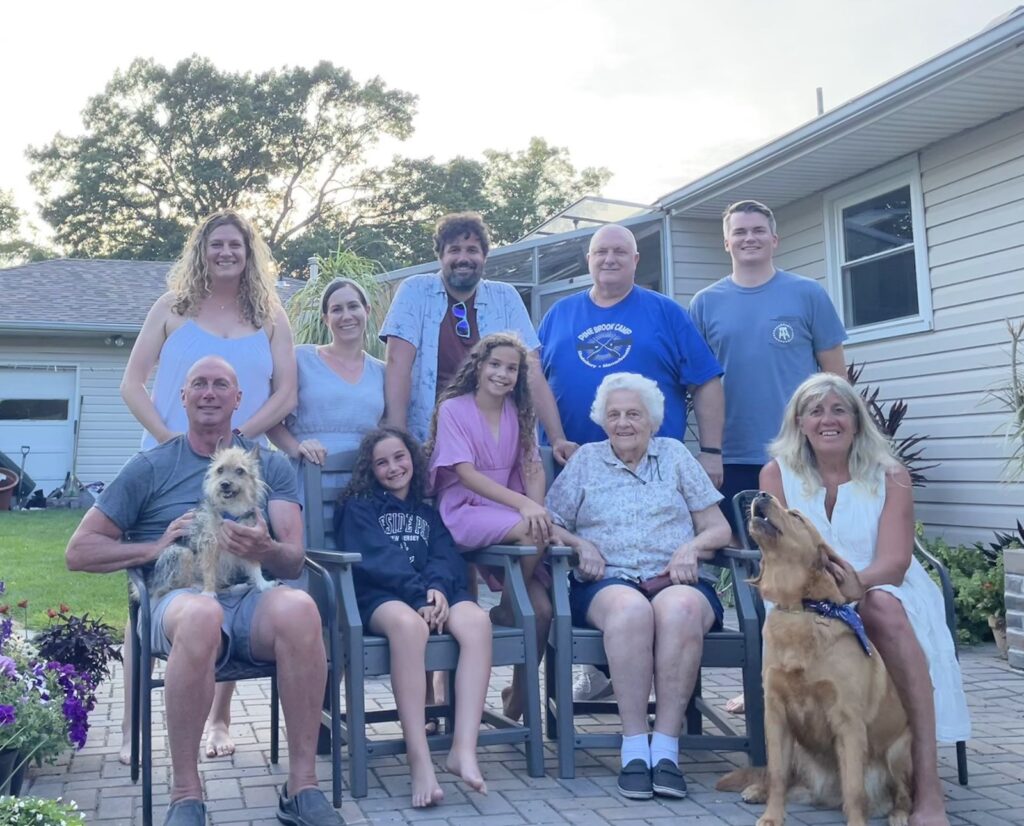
(467, 380)
(189, 278)
(870, 450)
(364, 483)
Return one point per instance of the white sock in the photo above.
(636, 747)
(664, 747)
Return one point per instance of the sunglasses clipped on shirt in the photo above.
(461, 315)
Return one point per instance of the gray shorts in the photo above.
(236, 628)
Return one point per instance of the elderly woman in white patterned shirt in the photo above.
(641, 513)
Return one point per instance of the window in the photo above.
(877, 255)
(33, 409)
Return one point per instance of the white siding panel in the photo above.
(1002, 262)
(698, 257)
(108, 433)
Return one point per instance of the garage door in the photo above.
(37, 410)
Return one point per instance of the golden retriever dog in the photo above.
(834, 723)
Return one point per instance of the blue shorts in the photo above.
(581, 594)
(236, 628)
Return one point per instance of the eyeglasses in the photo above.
(461, 315)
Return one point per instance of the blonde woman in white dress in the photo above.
(835, 466)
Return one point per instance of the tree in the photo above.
(392, 220)
(163, 148)
(14, 249)
(528, 187)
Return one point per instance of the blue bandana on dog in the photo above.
(844, 613)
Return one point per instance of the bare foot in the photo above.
(425, 790)
(218, 741)
(511, 705)
(920, 817)
(124, 756)
(929, 807)
(465, 766)
(502, 615)
(736, 705)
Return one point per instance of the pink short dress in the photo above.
(464, 436)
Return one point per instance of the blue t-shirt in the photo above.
(645, 333)
(766, 338)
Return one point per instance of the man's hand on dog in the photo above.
(250, 543)
(846, 578)
(178, 529)
(683, 567)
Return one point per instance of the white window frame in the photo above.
(893, 176)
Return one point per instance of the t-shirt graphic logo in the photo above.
(604, 345)
(783, 333)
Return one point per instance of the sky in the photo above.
(657, 91)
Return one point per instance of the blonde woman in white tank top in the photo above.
(220, 301)
(835, 466)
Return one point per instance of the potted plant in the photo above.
(44, 702)
(978, 575)
(39, 811)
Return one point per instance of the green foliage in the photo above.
(528, 187)
(304, 307)
(905, 448)
(978, 578)
(14, 248)
(162, 148)
(32, 547)
(39, 811)
(392, 220)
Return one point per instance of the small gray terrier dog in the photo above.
(233, 490)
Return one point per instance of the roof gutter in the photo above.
(971, 55)
(66, 327)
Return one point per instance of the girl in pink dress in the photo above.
(486, 474)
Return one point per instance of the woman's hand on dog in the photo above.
(846, 578)
(683, 567)
(591, 564)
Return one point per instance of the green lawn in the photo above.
(32, 564)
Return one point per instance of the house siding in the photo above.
(698, 257)
(108, 433)
(973, 188)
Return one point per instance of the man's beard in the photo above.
(464, 280)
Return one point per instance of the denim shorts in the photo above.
(581, 594)
(239, 608)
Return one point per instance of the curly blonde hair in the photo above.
(189, 278)
(466, 381)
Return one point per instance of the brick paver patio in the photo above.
(243, 789)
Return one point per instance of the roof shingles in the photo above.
(88, 293)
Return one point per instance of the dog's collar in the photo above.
(227, 517)
(844, 613)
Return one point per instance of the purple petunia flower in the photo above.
(6, 715)
(7, 667)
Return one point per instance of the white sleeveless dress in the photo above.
(853, 532)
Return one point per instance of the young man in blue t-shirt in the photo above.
(770, 330)
(619, 327)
